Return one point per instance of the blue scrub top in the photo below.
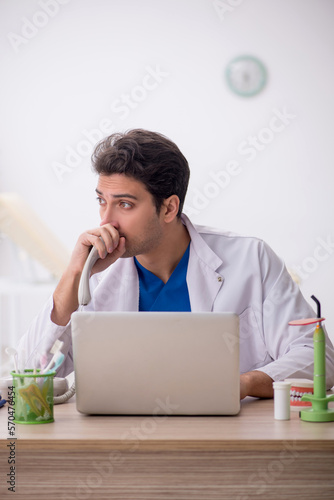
(155, 295)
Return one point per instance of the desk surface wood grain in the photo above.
(244, 457)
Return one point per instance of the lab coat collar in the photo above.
(203, 278)
(203, 251)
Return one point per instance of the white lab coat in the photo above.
(226, 272)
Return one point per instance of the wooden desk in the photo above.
(243, 457)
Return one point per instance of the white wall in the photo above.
(70, 74)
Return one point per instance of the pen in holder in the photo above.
(319, 411)
(33, 397)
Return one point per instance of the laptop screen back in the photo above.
(144, 363)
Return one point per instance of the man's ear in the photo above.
(170, 208)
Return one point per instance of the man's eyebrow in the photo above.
(121, 195)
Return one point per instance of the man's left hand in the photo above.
(257, 384)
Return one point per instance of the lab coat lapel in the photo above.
(118, 289)
(203, 279)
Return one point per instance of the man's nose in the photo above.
(109, 218)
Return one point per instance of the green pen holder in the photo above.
(33, 397)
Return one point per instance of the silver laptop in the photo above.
(156, 363)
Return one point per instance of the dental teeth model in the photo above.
(299, 388)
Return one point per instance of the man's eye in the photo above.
(125, 204)
(100, 201)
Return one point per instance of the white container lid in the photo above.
(299, 382)
(281, 384)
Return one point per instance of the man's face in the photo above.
(129, 207)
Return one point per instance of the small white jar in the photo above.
(282, 400)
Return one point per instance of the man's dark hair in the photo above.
(148, 157)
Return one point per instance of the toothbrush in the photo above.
(22, 360)
(56, 348)
(43, 362)
(11, 351)
(35, 363)
(59, 361)
(56, 360)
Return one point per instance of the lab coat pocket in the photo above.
(253, 352)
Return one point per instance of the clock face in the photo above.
(246, 75)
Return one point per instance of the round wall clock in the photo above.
(246, 75)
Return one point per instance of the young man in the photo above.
(153, 259)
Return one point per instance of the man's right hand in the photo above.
(110, 246)
(108, 243)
